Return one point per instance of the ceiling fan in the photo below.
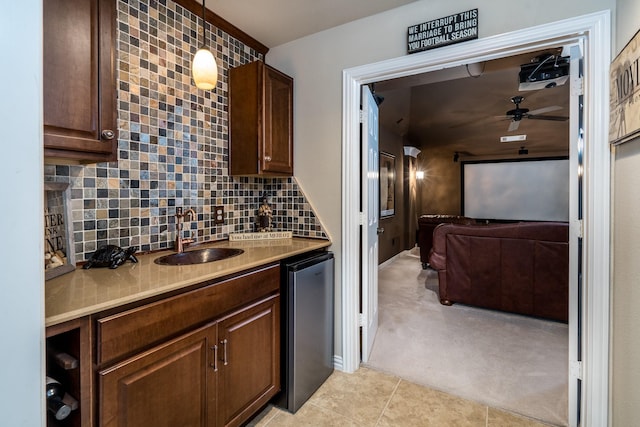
(517, 114)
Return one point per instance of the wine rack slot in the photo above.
(62, 359)
(68, 362)
(69, 400)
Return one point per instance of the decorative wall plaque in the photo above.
(624, 97)
(59, 251)
(444, 31)
(264, 235)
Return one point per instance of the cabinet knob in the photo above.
(108, 134)
(267, 158)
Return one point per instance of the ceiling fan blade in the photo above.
(554, 118)
(545, 110)
(514, 125)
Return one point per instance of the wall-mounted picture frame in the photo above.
(624, 94)
(59, 251)
(387, 174)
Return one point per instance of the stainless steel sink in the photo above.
(198, 256)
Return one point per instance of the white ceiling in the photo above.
(275, 22)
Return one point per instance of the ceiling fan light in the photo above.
(204, 69)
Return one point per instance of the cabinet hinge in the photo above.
(575, 369)
(361, 320)
(361, 116)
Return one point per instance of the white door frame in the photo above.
(595, 30)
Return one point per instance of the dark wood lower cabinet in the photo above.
(208, 357)
(249, 345)
(170, 385)
(218, 375)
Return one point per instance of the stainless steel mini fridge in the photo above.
(307, 327)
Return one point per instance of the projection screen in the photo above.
(534, 190)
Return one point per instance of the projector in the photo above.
(544, 72)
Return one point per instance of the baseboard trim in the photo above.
(390, 260)
(337, 363)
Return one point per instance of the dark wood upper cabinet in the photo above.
(260, 121)
(79, 80)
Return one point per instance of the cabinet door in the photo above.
(277, 156)
(171, 385)
(249, 351)
(260, 121)
(79, 80)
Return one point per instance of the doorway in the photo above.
(525, 372)
(594, 31)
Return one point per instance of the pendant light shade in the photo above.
(204, 68)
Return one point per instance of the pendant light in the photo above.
(204, 68)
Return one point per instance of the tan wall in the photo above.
(625, 301)
(440, 189)
(625, 337)
(410, 202)
(391, 242)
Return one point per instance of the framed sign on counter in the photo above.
(387, 176)
(59, 251)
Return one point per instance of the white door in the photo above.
(370, 210)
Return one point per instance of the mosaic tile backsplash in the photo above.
(173, 145)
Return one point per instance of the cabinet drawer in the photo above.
(123, 334)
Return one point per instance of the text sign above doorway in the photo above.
(440, 32)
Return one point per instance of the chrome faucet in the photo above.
(180, 242)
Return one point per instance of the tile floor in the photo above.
(369, 398)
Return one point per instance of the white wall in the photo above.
(625, 351)
(316, 62)
(21, 216)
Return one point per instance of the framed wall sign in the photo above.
(59, 251)
(444, 31)
(624, 103)
(387, 176)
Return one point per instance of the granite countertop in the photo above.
(84, 292)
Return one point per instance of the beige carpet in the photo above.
(503, 360)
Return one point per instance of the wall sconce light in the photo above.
(411, 151)
(204, 68)
(419, 174)
(456, 157)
